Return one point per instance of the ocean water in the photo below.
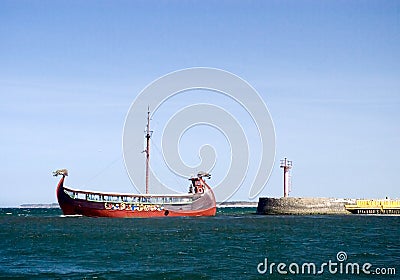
(235, 244)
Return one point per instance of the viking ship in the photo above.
(199, 201)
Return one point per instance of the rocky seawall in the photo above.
(302, 206)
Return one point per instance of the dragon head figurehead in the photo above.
(63, 172)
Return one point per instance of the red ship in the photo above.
(199, 201)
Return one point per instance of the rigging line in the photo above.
(179, 183)
(102, 170)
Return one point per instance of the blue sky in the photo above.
(327, 70)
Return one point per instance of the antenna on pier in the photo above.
(286, 165)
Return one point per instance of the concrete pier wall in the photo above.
(302, 206)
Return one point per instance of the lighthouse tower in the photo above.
(286, 165)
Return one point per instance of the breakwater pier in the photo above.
(303, 206)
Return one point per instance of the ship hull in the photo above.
(375, 211)
(375, 207)
(97, 204)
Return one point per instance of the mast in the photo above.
(148, 135)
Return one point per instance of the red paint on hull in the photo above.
(204, 205)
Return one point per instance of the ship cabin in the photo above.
(128, 198)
